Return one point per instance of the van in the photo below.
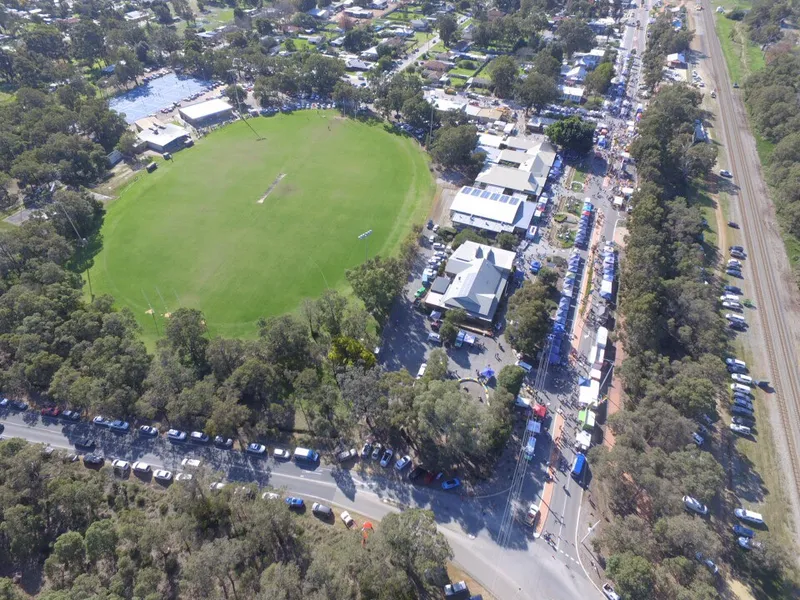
(749, 516)
(729, 298)
(305, 455)
(742, 389)
(579, 465)
(735, 317)
(524, 366)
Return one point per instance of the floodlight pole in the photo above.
(365, 236)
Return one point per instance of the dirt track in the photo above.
(774, 326)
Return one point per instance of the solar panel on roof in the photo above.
(513, 201)
(486, 194)
(476, 192)
(495, 196)
(504, 199)
(467, 190)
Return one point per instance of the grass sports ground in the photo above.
(219, 229)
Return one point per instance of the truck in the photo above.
(305, 455)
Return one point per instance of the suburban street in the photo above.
(773, 329)
(526, 568)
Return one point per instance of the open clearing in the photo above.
(194, 234)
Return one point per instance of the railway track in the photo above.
(753, 204)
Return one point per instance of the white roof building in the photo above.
(572, 93)
(521, 172)
(479, 277)
(490, 210)
(205, 111)
(163, 137)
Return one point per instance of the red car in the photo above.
(50, 411)
(435, 325)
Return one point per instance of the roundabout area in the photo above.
(243, 228)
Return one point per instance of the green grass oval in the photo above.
(194, 234)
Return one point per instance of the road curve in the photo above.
(769, 275)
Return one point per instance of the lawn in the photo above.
(194, 233)
(742, 56)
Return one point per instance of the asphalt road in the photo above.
(767, 272)
(524, 569)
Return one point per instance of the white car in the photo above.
(731, 305)
(183, 477)
(141, 467)
(386, 459)
(348, 520)
(270, 496)
(216, 486)
(402, 463)
(162, 475)
(422, 368)
(120, 465)
(698, 439)
(740, 429)
(749, 516)
(610, 593)
(695, 505)
(743, 379)
(281, 453)
(190, 463)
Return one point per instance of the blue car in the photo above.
(118, 425)
(742, 531)
(101, 421)
(451, 484)
(255, 448)
(293, 502)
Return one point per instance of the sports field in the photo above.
(220, 230)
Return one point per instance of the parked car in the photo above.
(710, 564)
(281, 454)
(123, 466)
(698, 439)
(71, 415)
(386, 459)
(346, 455)
(94, 460)
(321, 510)
(50, 411)
(695, 505)
(119, 426)
(293, 502)
(451, 484)
(458, 588)
(198, 437)
(347, 519)
(740, 429)
(402, 463)
(376, 450)
(162, 475)
(148, 431)
(223, 443)
(101, 421)
(141, 467)
(610, 593)
(191, 463)
(176, 435)
(257, 449)
(725, 172)
(749, 516)
(743, 379)
(748, 543)
(366, 450)
(742, 531)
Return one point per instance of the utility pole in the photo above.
(365, 236)
(235, 73)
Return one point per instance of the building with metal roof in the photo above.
(491, 211)
(523, 167)
(206, 113)
(477, 276)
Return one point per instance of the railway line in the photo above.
(775, 298)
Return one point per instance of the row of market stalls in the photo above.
(585, 225)
(609, 272)
(569, 291)
(589, 390)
